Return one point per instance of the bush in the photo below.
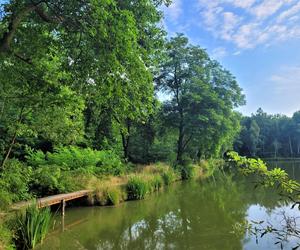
(100, 162)
(5, 199)
(14, 182)
(49, 180)
(137, 188)
(32, 226)
(187, 172)
(5, 238)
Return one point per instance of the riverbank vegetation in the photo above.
(80, 106)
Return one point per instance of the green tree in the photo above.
(202, 95)
(102, 51)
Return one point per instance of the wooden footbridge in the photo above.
(54, 199)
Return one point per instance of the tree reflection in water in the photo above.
(190, 215)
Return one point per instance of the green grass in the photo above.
(156, 182)
(114, 196)
(137, 188)
(168, 177)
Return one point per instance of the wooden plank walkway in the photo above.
(53, 199)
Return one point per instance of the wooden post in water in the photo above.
(63, 207)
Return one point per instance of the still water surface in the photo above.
(191, 215)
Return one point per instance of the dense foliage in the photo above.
(79, 87)
(269, 136)
(70, 75)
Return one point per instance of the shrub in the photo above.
(114, 196)
(100, 162)
(14, 182)
(187, 172)
(5, 237)
(5, 199)
(48, 180)
(32, 226)
(137, 188)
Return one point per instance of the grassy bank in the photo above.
(73, 169)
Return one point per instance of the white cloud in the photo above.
(230, 22)
(219, 53)
(289, 13)
(174, 10)
(250, 23)
(267, 8)
(287, 80)
(242, 3)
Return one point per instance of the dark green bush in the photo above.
(187, 171)
(48, 180)
(137, 188)
(14, 182)
(101, 162)
(5, 199)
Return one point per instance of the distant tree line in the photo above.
(265, 135)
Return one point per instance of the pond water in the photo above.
(190, 215)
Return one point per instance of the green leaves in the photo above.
(275, 178)
(202, 98)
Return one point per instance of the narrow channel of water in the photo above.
(189, 215)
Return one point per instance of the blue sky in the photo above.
(257, 40)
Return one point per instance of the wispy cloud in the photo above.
(174, 11)
(287, 80)
(250, 23)
(219, 53)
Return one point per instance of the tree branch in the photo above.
(16, 19)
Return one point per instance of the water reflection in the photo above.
(186, 216)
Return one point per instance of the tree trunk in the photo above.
(125, 143)
(180, 145)
(126, 140)
(13, 140)
(7, 153)
(291, 148)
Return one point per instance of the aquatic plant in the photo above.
(168, 177)
(114, 195)
(156, 182)
(137, 188)
(32, 226)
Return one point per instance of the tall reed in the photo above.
(137, 188)
(32, 226)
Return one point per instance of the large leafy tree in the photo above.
(58, 58)
(202, 96)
